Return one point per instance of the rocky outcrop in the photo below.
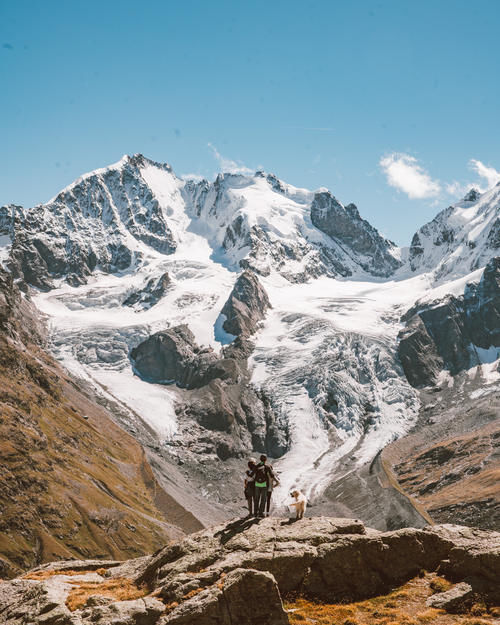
(246, 306)
(456, 599)
(172, 356)
(242, 596)
(345, 225)
(418, 354)
(150, 294)
(238, 573)
(221, 398)
(450, 334)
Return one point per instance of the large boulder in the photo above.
(243, 596)
(456, 599)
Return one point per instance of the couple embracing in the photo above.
(260, 480)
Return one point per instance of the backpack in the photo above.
(261, 472)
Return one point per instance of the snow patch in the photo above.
(5, 245)
(223, 337)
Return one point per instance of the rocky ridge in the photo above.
(345, 225)
(106, 220)
(460, 239)
(248, 223)
(453, 334)
(220, 575)
(98, 222)
(218, 394)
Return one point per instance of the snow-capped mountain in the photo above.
(138, 269)
(109, 218)
(461, 238)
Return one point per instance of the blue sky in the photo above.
(393, 105)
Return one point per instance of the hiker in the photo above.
(250, 486)
(264, 477)
(271, 483)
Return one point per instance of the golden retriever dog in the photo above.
(300, 503)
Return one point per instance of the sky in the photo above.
(393, 105)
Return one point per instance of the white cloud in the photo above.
(491, 175)
(458, 189)
(405, 174)
(195, 177)
(227, 165)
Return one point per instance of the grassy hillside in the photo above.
(72, 483)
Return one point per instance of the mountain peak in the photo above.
(139, 160)
(472, 195)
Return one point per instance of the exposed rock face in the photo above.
(151, 294)
(221, 400)
(418, 354)
(448, 335)
(173, 356)
(345, 225)
(246, 306)
(237, 573)
(244, 596)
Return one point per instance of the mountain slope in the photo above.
(72, 483)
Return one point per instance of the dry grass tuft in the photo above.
(428, 616)
(220, 583)
(403, 606)
(121, 589)
(41, 575)
(192, 593)
(171, 606)
(440, 584)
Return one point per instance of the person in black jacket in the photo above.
(264, 482)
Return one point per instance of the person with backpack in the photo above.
(264, 477)
(250, 486)
(271, 483)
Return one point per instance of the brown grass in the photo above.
(121, 589)
(192, 593)
(403, 606)
(440, 584)
(41, 575)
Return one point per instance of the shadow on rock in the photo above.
(235, 527)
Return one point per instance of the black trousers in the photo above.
(260, 499)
